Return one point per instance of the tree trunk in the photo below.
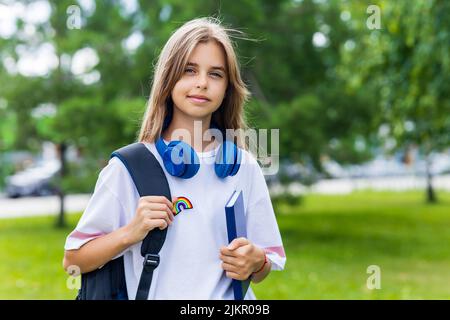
(431, 196)
(60, 223)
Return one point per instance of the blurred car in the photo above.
(289, 172)
(37, 180)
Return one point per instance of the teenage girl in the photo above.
(196, 86)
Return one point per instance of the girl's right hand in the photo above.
(152, 212)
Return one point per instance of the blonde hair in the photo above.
(169, 69)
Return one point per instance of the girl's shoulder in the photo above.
(248, 157)
(115, 180)
(115, 177)
(249, 162)
(114, 170)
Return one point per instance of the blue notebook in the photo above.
(236, 228)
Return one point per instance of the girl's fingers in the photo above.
(171, 212)
(156, 215)
(227, 252)
(229, 267)
(232, 275)
(164, 207)
(161, 203)
(161, 207)
(161, 223)
(228, 260)
(159, 199)
(169, 205)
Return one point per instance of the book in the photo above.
(237, 228)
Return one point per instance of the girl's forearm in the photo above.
(261, 275)
(97, 252)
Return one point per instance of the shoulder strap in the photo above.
(149, 178)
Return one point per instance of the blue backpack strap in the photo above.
(150, 180)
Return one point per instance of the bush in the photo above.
(81, 177)
(286, 198)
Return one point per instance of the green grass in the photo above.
(31, 252)
(329, 241)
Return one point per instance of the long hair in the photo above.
(169, 69)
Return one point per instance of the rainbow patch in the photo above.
(182, 203)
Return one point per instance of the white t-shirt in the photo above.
(190, 266)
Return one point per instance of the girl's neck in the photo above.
(191, 131)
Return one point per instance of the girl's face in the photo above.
(200, 90)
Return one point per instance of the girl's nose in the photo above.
(202, 81)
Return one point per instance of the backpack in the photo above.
(108, 282)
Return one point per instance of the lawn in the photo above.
(330, 241)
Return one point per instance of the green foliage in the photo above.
(281, 65)
(299, 116)
(327, 100)
(96, 125)
(407, 65)
(83, 176)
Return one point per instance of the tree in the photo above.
(407, 66)
(86, 107)
(293, 77)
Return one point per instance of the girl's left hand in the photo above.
(241, 258)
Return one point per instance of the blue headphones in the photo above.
(181, 160)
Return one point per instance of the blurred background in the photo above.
(359, 90)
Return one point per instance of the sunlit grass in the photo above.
(31, 255)
(329, 241)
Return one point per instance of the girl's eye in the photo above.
(215, 74)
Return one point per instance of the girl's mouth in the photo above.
(197, 100)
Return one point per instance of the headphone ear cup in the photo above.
(238, 161)
(180, 160)
(173, 159)
(225, 159)
(191, 161)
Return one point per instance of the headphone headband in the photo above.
(181, 160)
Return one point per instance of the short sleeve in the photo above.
(262, 226)
(109, 208)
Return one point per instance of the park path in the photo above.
(41, 206)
